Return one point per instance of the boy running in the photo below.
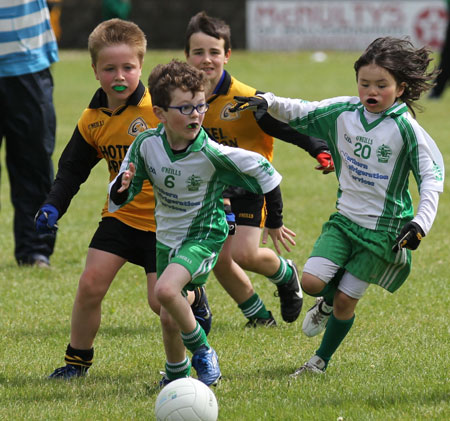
(189, 172)
(375, 143)
(208, 48)
(120, 109)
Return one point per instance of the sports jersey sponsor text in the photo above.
(170, 200)
(114, 154)
(357, 172)
(216, 133)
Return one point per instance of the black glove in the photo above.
(409, 237)
(231, 219)
(252, 103)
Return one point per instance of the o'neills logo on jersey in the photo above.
(384, 152)
(226, 115)
(96, 124)
(137, 126)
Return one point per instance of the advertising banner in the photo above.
(342, 24)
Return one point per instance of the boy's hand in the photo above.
(409, 237)
(326, 164)
(45, 219)
(279, 235)
(252, 103)
(127, 177)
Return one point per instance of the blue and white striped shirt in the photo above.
(27, 41)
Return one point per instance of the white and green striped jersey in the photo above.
(373, 156)
(188, 186)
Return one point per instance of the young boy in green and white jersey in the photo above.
(375, 144)
(189, 172)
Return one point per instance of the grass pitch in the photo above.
(394, 364)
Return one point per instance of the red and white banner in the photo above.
(342, 24)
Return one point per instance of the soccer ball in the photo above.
(186, 399)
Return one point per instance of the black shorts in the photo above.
(136, 246)
(247, 207)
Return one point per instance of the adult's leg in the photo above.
(30, 141)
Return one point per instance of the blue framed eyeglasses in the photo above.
(189, 108)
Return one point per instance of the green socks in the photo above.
(195, 339)
(192, 341)
(178, 370)
(335, 333)
(254, 308)
(283, 274)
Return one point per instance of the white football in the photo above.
(186, 399)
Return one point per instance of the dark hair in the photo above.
(165, 78)
(405, 63)
(214, 27)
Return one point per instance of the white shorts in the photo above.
(325, 270)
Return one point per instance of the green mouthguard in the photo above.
(119, 88)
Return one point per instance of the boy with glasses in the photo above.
(189, 172)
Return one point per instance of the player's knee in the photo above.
(311, 284)
(344, 305)
(165, 293)
(90, 287)
(245, 259)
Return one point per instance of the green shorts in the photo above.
(366, 254)
(198, 258)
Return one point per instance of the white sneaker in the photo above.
(314, 365)
(317, 317)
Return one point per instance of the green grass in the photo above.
(394, 365)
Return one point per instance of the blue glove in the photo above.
(231, 219)
(45, 219)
